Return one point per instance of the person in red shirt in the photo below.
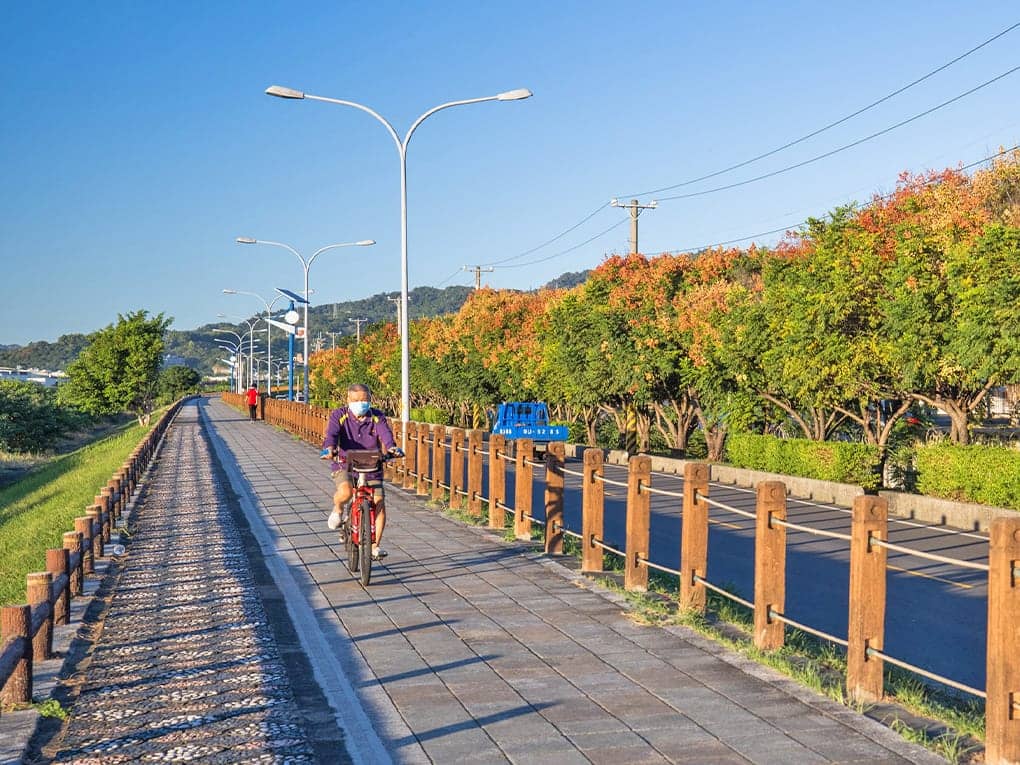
(251, 398)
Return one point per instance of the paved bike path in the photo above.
(466, 648)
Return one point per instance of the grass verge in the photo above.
(38, 509)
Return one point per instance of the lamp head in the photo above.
(244, 240)
(365, 243)
(229, 292)
(514, 95)
(281, 92)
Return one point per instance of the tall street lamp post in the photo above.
(269, 327)
(305, 264)
(405, 346)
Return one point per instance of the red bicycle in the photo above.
(358, 527)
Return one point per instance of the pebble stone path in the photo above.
(186, 669)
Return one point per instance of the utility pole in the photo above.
(359, 322)
(396, 302)
(319, 340)
(332, 336)
(478, 273)
(635, 210)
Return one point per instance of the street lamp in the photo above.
(251, 343)
(306, 264)
(405, 345)
(269, 315)
(239, 347)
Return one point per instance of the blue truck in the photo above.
(527, 419)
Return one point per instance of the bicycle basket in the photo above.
(364, 460)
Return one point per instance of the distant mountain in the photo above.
(568, 280)
(42, 354)
(198, 348)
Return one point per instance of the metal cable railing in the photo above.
(603, 479)
(559, 527)
(504, 508)
(925, 673)
(662, 492)
(573, 473)
(809, 530)
(929, 556)
(534, 463)
(534, 520)
(600, 543)
(461, 492)
(714, 588)
(773, 614)
(724, 506)
(643, 561)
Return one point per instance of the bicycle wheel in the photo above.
(365, 553)
(352, 548)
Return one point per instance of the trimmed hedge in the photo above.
(433, 415)
(837, 461)
(989, 475)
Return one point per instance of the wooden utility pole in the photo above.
(635, 210)
(478, 273)
(359, 322)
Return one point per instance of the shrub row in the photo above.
(825, 460)
(989, 475)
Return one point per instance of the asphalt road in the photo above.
(935, 613)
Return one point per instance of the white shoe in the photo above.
(334, 521)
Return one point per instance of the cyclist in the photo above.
(357, 426)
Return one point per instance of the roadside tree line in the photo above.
(836, 332)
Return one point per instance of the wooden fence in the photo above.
(428, 472)
(26, 631)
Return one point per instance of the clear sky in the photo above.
(137, 142)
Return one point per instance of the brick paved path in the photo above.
(187, 667)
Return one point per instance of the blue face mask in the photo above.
(358, 408)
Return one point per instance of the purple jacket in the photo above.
(345, 431)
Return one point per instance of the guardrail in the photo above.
(426, 471)
(26, 631)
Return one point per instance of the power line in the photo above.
(831, 125)
(571, 249)
(546, 243)
(858, 142)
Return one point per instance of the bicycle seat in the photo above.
(364, 460)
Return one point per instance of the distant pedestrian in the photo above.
(252, 399)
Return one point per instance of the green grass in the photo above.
(38, 509)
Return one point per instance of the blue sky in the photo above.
(137, 142)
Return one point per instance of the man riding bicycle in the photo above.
(357, 426)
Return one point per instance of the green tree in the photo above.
(31, 418)
(119, 369)
(177, 381)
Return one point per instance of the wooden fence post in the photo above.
(73, 544)
(1002, 707)
(523, 477)
(497, 481)
(422, 448)
(84, 527)
(16, 622)
(866, 627)
(58, 564)
(456, 467)
(411, 457)
(694, 537)
(554, 458)
(592, 510)
(769, 565)
(639, 475)
(96, 525)
(474, 472)
(38, 593)
(438, 461)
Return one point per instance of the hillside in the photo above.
(197, 347)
